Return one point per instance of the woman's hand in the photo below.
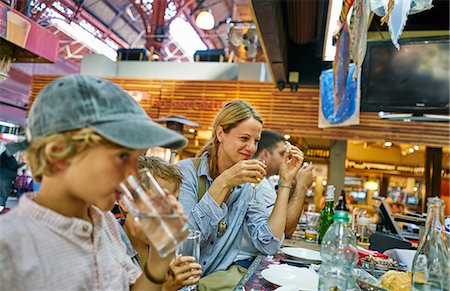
(182, 268)
(292, 161)
(244, 171)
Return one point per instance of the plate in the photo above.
(287, 288)
(291, 277)
(301, 253)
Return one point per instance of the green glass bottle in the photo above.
(327, 213)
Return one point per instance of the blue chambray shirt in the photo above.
(218, 253)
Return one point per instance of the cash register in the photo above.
(388, 234)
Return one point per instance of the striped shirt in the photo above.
(44, 250)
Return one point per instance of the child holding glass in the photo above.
(84, 136)
(182, 268)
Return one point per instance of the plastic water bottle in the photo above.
(339, 255)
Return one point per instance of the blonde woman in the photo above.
(227, 166)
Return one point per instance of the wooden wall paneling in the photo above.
(292, 113)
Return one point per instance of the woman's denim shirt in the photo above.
(219, 252)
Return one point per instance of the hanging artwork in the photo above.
(347, 111)
(395, 13)
(342, 56)
(359, 24)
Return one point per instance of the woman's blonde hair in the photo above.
(41, 157)
(230, 116)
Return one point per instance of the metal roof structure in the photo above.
(137, 23)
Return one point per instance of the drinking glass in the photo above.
(312, 223)
(253, 201)
(190, 247)
(147, 202)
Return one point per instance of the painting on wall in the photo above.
(342, 112)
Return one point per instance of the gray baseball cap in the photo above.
(79, 101)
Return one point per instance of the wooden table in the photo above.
(300, 243)
(252, 279)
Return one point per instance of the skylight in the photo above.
(186, 37)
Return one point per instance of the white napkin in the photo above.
(402, 256)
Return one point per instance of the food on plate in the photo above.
(395, 280)
(379, 262)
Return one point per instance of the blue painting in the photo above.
(345, 113)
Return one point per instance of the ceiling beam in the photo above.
(119, 13)
(271, 29)
(106, 32)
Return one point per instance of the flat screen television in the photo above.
(358, 195)
(414, 79)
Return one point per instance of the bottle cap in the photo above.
(342, 216)
(330, 193)
(434, 200)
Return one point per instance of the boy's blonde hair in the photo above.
(41, 157)
(162, 169)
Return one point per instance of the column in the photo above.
(433, 168)
(336, 167)
(384, 185)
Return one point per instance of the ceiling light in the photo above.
(324, 182)
(411, 150)
(388, 143)
(415, 189)
(416, 147)
(371, 185)
(287, 136)
(191, 130)
(205, 19)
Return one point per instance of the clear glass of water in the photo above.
(190, 247)
(147, 202)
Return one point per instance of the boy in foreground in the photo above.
(84, 136)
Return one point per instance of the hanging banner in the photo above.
(347, 111)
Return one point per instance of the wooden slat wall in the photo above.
(290, 113)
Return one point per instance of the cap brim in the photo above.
(140, 134)
(14, 147)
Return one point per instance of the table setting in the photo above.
(292, 269)
(295, 268)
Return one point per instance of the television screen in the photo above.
(414, 79)
(412, 200)
(358, 195)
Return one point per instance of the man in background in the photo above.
(8, 172)
(271, 148)
(22, 183)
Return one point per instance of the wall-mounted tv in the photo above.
(414, 79)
